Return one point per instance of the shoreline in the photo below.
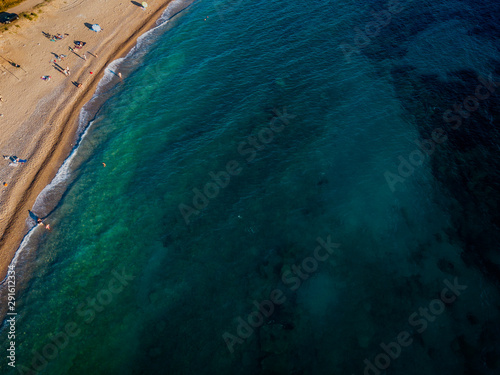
(13, 227)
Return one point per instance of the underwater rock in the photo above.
(466, 350)
(439, 237)
(154, 352)
(275, 364)
(446, 266)
(154, 297)
(280, 82)
(323, 181)
(491, 360)
(271, 267)
(250, 358)
(274, 338)
(167, 240)
(364, 341)
(472, 319)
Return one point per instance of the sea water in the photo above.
(280, 195)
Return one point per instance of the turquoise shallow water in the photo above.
(151, 267)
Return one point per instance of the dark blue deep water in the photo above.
(291, 187)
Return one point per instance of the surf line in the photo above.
(220, 180)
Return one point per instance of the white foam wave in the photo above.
(24, 245)
(63, 174)
(85, 124)
(173, 9)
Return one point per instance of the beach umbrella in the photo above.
(144, 4)
(96, 27)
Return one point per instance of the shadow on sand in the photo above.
(34, 216)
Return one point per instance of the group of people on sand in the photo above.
(58, 58)
(14, 160)
(57, 37)
(79, 45)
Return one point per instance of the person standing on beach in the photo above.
(120, 75)
(84, 57)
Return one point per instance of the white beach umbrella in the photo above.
(144, 4)
(96, 27)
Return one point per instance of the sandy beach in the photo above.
(39, 117)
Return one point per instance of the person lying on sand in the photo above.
(79, 45)
(60, 57)
(58, 37)
(14, 159)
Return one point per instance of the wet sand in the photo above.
(39, 118)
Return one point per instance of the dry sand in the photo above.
(40, 118)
